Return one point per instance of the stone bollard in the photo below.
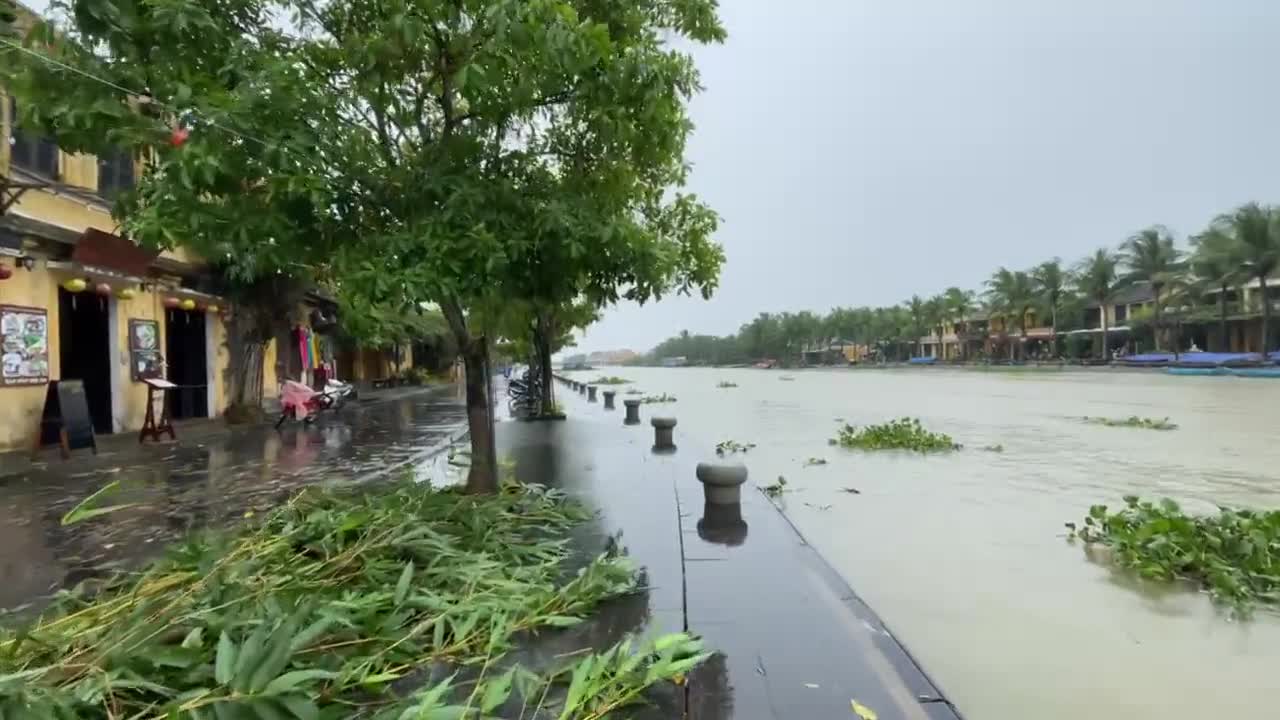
(608, 399)
(591, 393)
(722, 524)
(633, 412)
(722, 483)
(582, 388)
(662, 431)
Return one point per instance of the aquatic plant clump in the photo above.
(903, 434)
(726, 384)
(332, 599)
(657, 399)
(1133, 421)
(775, 489)
(1234, 555)
(729, 447)
(610, 380)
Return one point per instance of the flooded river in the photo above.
(964, 555)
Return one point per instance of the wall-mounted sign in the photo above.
(24, 345)
(144, 350)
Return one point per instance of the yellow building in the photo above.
(79, 302)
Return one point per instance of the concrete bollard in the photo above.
(633, 412)
(722, 483)
(722, 524)
(662, 431)
(582, 388)
(591, 393)
(608, 399)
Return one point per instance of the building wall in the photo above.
(20, 407)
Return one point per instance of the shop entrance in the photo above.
(84, 348)
(188, 364)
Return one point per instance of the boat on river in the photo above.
(1196, 370)
(1255, 372)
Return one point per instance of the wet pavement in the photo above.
(202, 481)
(792, 639)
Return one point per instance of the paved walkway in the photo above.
(794, 640)
(205, 479)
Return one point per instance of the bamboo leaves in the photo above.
(331, 600)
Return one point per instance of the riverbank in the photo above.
(794, 640)
(964, 554)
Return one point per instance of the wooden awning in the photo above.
(102, 249)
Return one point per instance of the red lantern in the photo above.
(179, 136)
(5, 272)
(103, 289)
(171, 303)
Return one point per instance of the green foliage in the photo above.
(903, 434)
(729, 447)
(1233, 555)
(776, 488)
(334, 597)
(610, 380)
(657, 399)
(1133, 421)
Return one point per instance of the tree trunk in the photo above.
(1266, 316)
(1155, 289)
(1053, 330)
(542, 334)
(1222, 319)
(244, 380)
(483, 476)
(1106, 353)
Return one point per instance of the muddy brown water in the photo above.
(964, 555)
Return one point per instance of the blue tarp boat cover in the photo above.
(923, 360)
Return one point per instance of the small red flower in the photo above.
(179, 136)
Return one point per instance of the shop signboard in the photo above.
(24, 346)
(144, 349)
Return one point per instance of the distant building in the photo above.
(675, 361)
(612, 357)
(576, 362)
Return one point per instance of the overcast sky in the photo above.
(860, 151)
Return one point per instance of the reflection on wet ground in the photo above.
(181, 487)
(792, 640)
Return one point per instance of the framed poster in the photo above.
(24, 345)
(144, 350)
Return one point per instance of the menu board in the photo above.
(24, 345)
(144, 349)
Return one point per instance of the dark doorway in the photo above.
(188, 364)
(83, 341)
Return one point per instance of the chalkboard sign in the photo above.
(65, 419)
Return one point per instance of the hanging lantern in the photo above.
(211, 308)
(102, 289)
(187, 304)
(178, 137)
(171, 302)
(126, 293)
(5, 272)
(75, 285)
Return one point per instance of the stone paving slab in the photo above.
(793, 640)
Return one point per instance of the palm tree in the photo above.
(1214, 261)
(916, 308)
(1009, 293)
(935, 313)
(1096, 280)
(959, 303)
(1150, 256)
(1253, 229)
(1049, 282)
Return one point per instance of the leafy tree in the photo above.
(1096, 280)
(959, 304)
(1256, 238)
(935, 313)
(916, 309)
(1150, 256)
(1049, 282)
(1010, 294)
(1214, 261)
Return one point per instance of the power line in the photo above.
(120, 88)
